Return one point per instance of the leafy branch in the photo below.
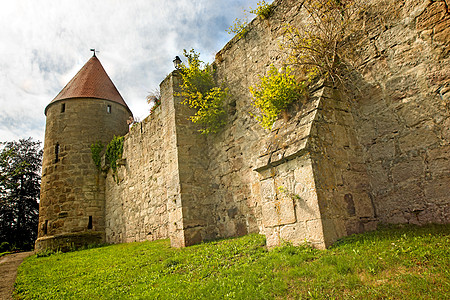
(275, 93)
(322, 46)
(201, 93)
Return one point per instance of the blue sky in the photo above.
(44, 43)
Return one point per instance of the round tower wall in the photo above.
(72, 201)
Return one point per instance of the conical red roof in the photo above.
(91, 82)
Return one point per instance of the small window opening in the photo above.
(56, 153)
(108, 109)
(90, 222)
(45, 227)
(63, 107)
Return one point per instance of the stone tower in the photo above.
(88, 109)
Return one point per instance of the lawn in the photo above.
(399, 262)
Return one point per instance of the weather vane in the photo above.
(93, 50)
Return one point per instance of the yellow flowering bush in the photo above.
(263, 9)
(239, 28)
(200, 92)
(274, 94)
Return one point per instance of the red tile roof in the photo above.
(91, 82)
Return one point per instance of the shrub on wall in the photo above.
(263, 9)
(201, 93)
(274, 94)
(239, 28)
(322, 45)
(154, 99)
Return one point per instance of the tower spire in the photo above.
(91, 81)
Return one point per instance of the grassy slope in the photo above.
(401, 263)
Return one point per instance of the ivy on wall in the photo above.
(114, 151)
(96, 150)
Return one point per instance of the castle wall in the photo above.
(402, 115)
(160, 187)
(336, 165)
(196, 204)
(136, 197)
(340, 173)
(303, 180)
(234, 152)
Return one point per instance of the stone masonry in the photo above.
(338, 163)
(337, 166)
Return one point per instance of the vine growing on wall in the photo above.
(96, 150)
(114, 152)
(201, 93)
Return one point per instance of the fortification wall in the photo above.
(136, 197)
(403, 111)
(310, 180)
(234, 153)
(338, 163)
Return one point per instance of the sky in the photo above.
(43, 44)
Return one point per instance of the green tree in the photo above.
(20, 166)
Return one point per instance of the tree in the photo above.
(20, 166)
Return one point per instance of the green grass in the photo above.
(403, 262)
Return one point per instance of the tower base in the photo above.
(69, 241)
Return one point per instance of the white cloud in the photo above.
(44, 43)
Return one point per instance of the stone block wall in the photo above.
(336, 165)
(136, 197)
(234, 152)
(160, 189)
(340, 173)
(402, 115)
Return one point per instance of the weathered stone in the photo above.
(382, 150)
(420, 138)
(314, 231)
(411, 169)
(278, 212)
(315, 177)
(268, 193)
(293, 233)
(438, 161)
(431, 15)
